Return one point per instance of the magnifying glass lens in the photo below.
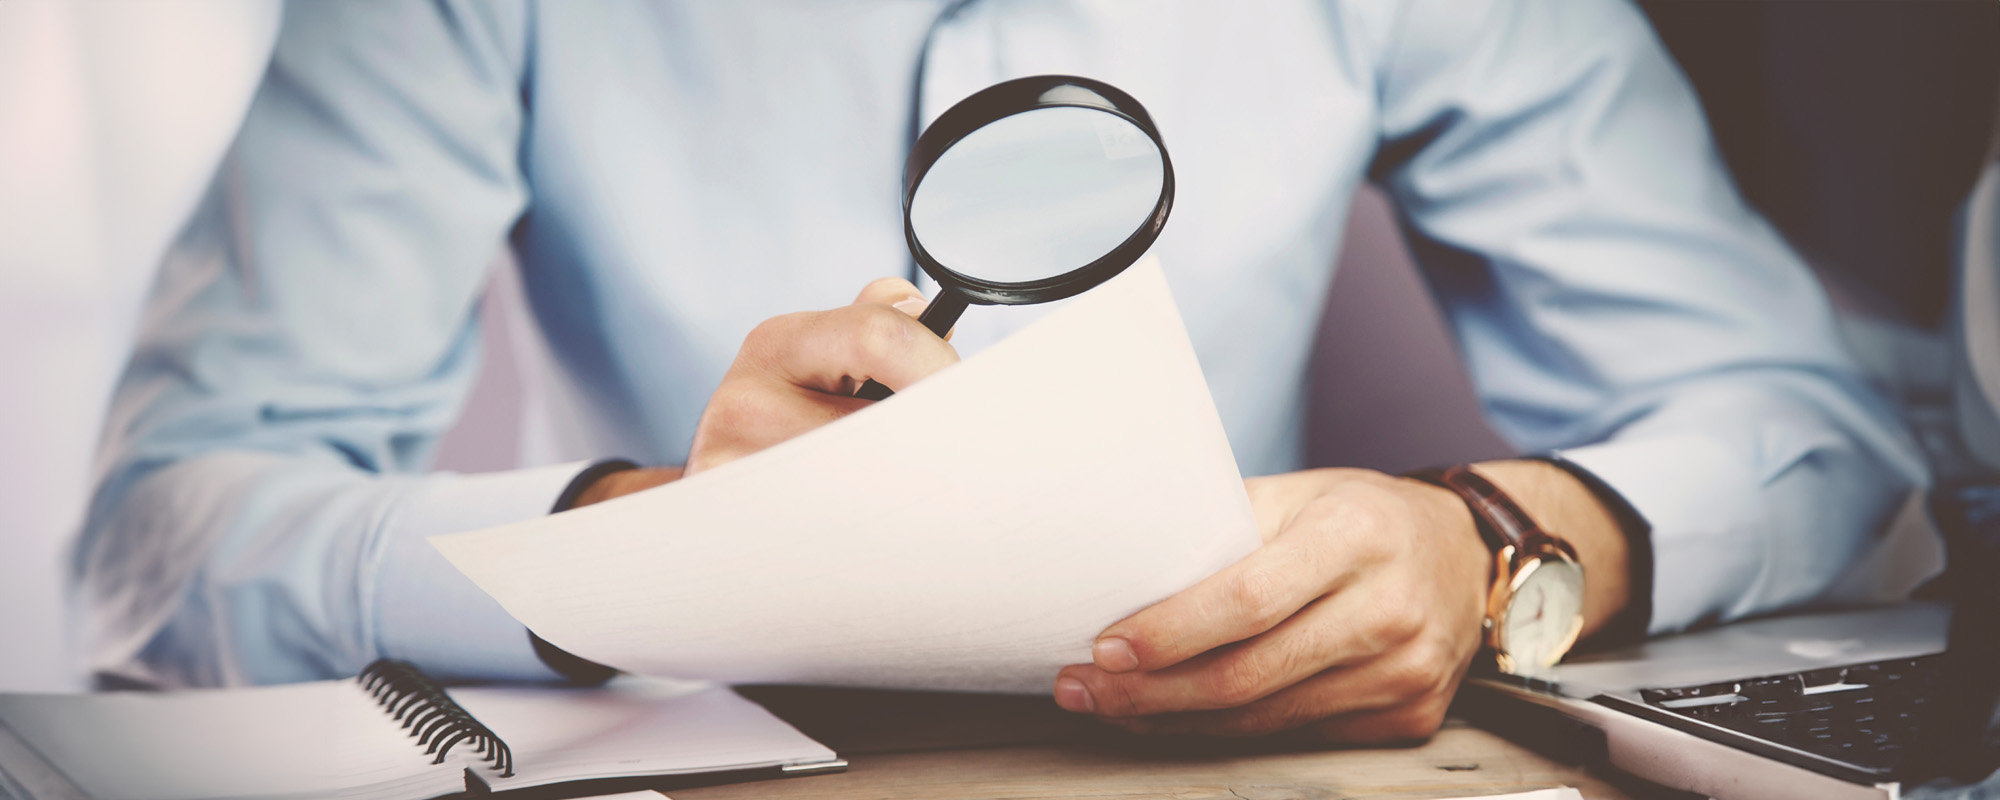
(1037, 194)
(1031, 191)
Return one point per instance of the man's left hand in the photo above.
(1354, 622)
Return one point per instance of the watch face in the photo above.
(1543, 619)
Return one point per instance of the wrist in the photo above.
(1568, 508)
(621, 482)
(1447, 511)
(597, 483)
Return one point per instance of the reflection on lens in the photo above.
(1037, 194)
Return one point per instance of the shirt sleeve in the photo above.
(1616, 301)
(262, 505)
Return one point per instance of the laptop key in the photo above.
(1862, 714)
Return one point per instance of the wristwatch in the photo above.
(1534, 609)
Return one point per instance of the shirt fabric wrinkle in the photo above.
(667, 177)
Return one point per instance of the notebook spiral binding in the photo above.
(438, 722)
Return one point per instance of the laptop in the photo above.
(1860, 703)
(1852, 704)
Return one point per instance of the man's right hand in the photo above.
(797, 372)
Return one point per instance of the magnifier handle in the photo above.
(939, 317)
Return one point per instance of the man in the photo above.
(671, 174)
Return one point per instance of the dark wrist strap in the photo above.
(581, 483)
(1631, 623)
(580, 670)
(1435, 477)
(1501, 521)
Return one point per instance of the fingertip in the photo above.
(887, 291)
(1114, 654)
(1073, 695)
(875, 340)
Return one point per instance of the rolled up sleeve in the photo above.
(426, 611)
(312, 333)
(1618, 303)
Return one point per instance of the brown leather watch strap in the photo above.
(1501, 521)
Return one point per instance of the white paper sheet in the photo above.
(975, 532)
(1558, 793)
(332, 739)
(293, 741)
(631, 727)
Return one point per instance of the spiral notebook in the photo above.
(392, 733)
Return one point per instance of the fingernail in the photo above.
(1114, 655)
(913, 306)
(1072, 695)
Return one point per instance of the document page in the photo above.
(973, 533)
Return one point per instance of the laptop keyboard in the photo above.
(1866, 714)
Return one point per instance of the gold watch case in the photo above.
(1544, 554)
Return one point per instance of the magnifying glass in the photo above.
(1030, 191)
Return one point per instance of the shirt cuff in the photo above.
(1697, 494)
(1628, 626)
(571, 666)
(426, 611)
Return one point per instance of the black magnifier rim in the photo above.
(998, 102)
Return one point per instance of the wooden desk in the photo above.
(917, 746)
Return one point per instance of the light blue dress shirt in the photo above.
(671, 173)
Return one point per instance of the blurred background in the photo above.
(1857, 126)
(112, 115)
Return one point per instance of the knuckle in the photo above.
(1261, 488)
(1377, 505)
(1299, 654)
(733, 407)
(1352, 516)
(881, 332)
(1421, 720)
(1366, 499)
(1399, 622)
(1258, 596)
(1117, 698)
(1327, 509)
(768, 329)
(1237, 680)
(742, 418)
(1441, 659)
(1410, 677)
(780, 343)
(767, 339)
